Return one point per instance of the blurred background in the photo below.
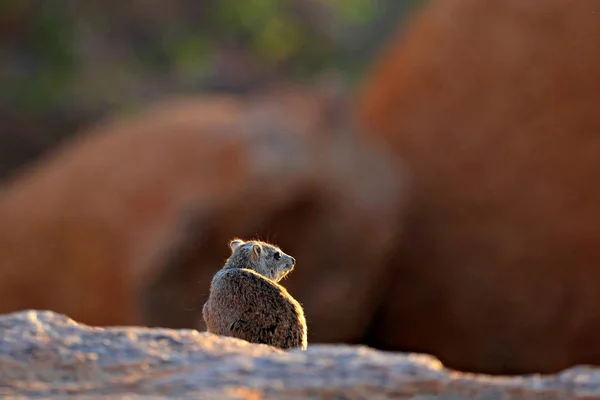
(431, 165)
(139, 137)
(65, 64)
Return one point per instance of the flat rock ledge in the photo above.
(47, 355)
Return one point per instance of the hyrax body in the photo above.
(246, 301)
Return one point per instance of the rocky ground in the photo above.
(46, 355)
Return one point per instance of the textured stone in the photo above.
(493, 106)
(43, 355)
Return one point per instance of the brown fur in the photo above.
(494, 107)
(247, 302)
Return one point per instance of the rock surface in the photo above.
(43, 355)
(493, 105)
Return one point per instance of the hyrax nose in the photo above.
(292, 261)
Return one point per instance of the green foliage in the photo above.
(45, 60)
(46, 63)
(356, 11)
(188, 50)
(272, 29)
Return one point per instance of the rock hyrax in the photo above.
(246, 301)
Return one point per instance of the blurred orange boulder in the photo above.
(128, 223)
(493, 106)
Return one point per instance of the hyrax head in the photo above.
(264, 258)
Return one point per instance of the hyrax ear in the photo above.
(235, 243)
(256, 251)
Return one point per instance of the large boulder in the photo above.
(128, 223)
(493, 106)
(46, 355)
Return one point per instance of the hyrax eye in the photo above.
(277, 256)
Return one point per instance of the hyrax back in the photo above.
(246, 301)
